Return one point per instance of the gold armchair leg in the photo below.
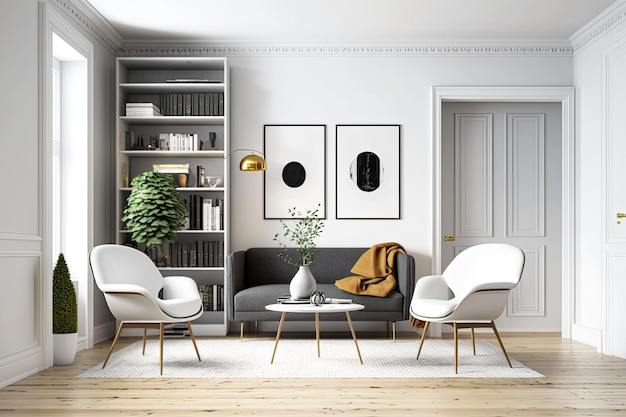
(473, 340)
(424, 331)
(161, 327)
(493, 326)
(193, 339)
(117, 336)
(145, 336)
(456, 349)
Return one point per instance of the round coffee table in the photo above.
(311, 308)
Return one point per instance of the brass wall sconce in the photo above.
(251, 162)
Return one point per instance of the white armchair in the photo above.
(140, 297)
(472, 292)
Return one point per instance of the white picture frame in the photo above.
(295, 176)
(367, 171)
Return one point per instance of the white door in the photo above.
(501, 182)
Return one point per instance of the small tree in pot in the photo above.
(64, 314)
(154, 211)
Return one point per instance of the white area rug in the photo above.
(297, 358)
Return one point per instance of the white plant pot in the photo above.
(64, 345)
(302, 284)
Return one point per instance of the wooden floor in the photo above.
(578, 382)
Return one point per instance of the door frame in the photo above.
(563, 95)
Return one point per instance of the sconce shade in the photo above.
(252, 162)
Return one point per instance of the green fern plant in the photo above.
(64, 308)
(154, 210)
(306, 228)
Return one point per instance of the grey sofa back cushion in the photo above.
(263, 265)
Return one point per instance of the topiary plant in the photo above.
(64, 308)
(154, 211)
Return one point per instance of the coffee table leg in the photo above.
(354, 336)
(317, 332)
(280, 328)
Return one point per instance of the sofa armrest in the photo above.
(405, 277)
(235, 273)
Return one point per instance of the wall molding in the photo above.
(85, 16)
(478, 49)
(599, 26)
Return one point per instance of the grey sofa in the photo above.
(257, 277)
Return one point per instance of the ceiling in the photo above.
(346, 21)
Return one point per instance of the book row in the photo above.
(205, 213)
(199, 254)
(183, 104)
(212, 297)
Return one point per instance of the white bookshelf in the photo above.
(142, 79)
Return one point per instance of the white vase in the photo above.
(302, 284)
(64, 348)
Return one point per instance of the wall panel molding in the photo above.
(525, 144)
(473, 164)
(528, 298)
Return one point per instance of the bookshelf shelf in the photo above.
(200, 254)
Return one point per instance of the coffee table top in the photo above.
(311, 308)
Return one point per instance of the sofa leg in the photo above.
(241, 324)
(391, 325)
(256, 326)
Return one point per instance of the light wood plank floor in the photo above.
(578, 382)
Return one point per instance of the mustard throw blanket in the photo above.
(373, 271)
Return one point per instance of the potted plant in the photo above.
(64, 314)
(154, 211)
(306, 228)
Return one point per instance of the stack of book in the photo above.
(212, 297)
(176, 330)
(142, 110)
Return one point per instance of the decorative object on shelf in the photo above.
(317, 298)
(200, 177)
(64, 314)
(214, 181)
(297, 169)
(212, 139)
(154, 211)
(252, 162)
(368, 171)
(306, 229)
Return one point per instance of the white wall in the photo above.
(593, 210)
(362, 89)
(25, 312)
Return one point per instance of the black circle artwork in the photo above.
(368, 171)
(294, 174)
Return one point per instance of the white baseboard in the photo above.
(587, 335)
(104, 332)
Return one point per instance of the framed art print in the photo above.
(368, 171)
(295, 176)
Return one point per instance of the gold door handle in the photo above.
(448, 238)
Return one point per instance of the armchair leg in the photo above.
(426, 324)
(145, 336)
(117, 336)
(161, 328)
(193, 339)
(473, 341)
(456, 349)
(493, 326)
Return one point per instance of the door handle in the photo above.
(448, 238)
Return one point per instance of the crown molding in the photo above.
(85, 16)
(435, 49)
(598, 27)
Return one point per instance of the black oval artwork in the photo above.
(294, 174)
(366, 171)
